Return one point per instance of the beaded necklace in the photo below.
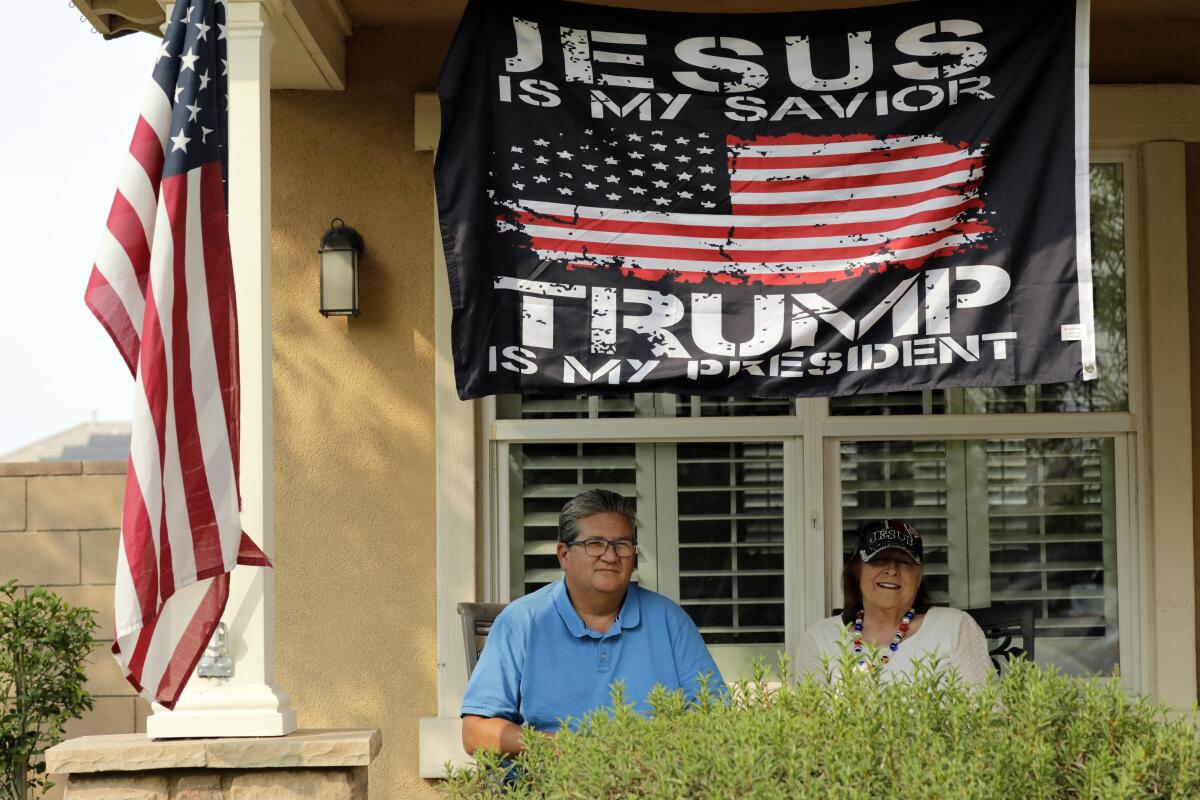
(858, 638)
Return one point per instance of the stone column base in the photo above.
(278, 784)
(313, 765)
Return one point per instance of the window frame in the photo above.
(732, 659)
(1143, 126)
(819, 486)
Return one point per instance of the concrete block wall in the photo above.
(59, 526)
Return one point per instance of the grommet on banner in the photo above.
(1089, 368)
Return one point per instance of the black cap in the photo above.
(889, 534)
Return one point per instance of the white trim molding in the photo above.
(455, 449)
(1130, 114)
(456, 493)
(1171, 578)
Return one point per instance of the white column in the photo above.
(248, 704)
(1172, 576)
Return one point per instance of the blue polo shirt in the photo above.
(541, 664)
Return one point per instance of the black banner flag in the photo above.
(770, 205)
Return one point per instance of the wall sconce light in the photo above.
(340, 250)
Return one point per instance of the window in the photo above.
(747, 507)
(1005, 521)
(711, 513)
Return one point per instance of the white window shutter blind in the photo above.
(730, 499)
(545, 476)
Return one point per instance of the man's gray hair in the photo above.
(589, 503)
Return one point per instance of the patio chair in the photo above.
(477, 621)
(1001, 625)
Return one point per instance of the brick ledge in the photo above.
(134, 752)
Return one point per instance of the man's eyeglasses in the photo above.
(624, 548)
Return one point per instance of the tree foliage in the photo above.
(1034, 734)
(44, 644)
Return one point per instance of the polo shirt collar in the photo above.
(629, 617)
(631, 609)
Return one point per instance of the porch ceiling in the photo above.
(443, 13)
(1150, 41)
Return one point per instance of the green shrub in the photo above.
(1034, 734)
(44, 644)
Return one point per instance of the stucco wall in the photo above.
(59, 523)
(354, 455)
(354, 399)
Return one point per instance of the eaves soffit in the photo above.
(446, 13)
(309, 36)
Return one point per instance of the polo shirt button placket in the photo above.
(601, 655)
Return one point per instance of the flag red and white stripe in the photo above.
(804, 210)
(162, 285)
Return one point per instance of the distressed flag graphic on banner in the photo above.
(802, 209)
(817, 203)
(162, 286)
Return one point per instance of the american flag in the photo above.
(162, 285)
(769, 209)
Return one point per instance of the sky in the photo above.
(71, 100)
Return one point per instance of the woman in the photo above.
(888, 608)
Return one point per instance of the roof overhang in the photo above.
(113, 18)
(446, 13)
(309, 36)
(309, 49)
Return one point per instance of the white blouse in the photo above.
(951, 633)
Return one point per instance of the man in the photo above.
(554, 654)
